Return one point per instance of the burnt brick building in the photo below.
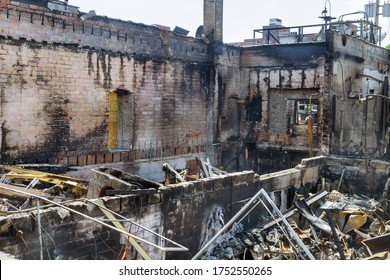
(99, 90)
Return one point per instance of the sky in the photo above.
(240, 16)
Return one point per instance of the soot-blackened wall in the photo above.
(66, 84)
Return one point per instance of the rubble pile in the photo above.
(338, 226)
(18, 185)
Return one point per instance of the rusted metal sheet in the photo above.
(378, 244)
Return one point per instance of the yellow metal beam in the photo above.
(122, 228)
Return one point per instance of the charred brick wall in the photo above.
(282, 75)
(358, 178)
(270, 81)
(224, 113)
(57, 72)
(334, 76)
(358, 69)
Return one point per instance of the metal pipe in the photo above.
(377, 12)
(330, 7)
(39, 229)
(365, 136)
(366, 18)
(9, 204)
(341, 179)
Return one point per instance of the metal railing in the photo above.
(362, 29)
(261, 198)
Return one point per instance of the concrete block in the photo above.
(312, 162)
(265, 183)
(177, 190)
(198, 187)
(100, 159)
(116, 157)
(128, 202)
(93, 210)
(91, 159)
(79, 207)
(237, 178)
(251, 187)
(218, 183)
(112, 203)
(154, 198)
(260, 185)
(310, 175)
(226, 181)
(25, 223)
(188, 189)
(208, 185)
(166, 193)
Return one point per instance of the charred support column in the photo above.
(213, 20)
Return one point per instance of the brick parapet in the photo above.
(37, 23)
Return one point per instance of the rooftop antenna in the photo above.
(327, 18)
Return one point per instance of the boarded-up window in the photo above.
(120, 120)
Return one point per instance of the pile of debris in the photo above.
(27, 191)
(18, 184)
(205, 170)
(327, 226)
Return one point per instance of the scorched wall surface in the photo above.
(56, 76)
